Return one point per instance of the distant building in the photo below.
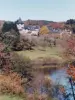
(20, 24)
(53, 30)
(30, 29)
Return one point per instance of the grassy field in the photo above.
(7, 97)
(42, 53)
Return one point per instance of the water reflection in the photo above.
(59, 77)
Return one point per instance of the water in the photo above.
(60, 77)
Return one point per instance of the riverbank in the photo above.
(46, 58)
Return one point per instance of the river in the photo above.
(60, 77)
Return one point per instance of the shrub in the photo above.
(10, 38)
(5, 64)
(23, 44)
(22, 66)
(11, 83)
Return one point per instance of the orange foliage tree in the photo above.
(71, 73)
(71, 45)
(11, 83)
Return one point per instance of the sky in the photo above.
(53, 10)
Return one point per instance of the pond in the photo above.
(58, 77)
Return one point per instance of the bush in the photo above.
(5, 63)
(23, 44)
(11, 83)
(22, 66)
(10, 38)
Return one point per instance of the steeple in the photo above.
(19, 21)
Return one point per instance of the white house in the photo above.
(32, 30)
(20, 26)
(35, 32)
(66, 32)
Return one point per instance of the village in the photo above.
(36, 30)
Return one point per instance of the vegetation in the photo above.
(71, 24)
(7, 26)
(15, 86)
(44, 30)
(20, 59)
(41, 53)
(8, 97)
(22, 66)
(10, 34)
(23, 44)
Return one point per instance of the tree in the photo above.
(71, 46)
(7, 26)
(10, 37)
(44, 30)
(71, 77)
(10, 34)
(68, 91)
(70, 21)
(71, 24)
(73, 28)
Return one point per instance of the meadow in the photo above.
(9, 97)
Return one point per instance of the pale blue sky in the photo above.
(56, 10)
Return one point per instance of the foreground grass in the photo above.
(41, 53)
(8, 97)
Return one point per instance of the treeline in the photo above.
(70, 24)
(37, 22)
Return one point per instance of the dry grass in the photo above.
(41, 53)
(8, 97)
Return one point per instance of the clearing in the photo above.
(40, 52)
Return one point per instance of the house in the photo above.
(20, 24)
(53, 30)
(30, 29)
(65, 33)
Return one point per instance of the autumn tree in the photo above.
(10, 81)
(68, 91)
(71, 77)
(69, 46)
(44, 30)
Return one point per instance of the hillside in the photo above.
(37, 22)
(45, 22)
